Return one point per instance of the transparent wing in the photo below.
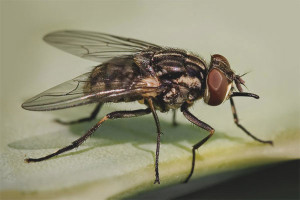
(76, 92)
(95, 46)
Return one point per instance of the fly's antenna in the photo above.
(239, 81)
(244, 74)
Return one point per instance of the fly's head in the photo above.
(219, 82)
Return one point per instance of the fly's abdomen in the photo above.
(117, 80)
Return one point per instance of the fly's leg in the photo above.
(201, 124)
(174, 123)
(157, 140)
(236, 121)
(78, 142)
(90, 118)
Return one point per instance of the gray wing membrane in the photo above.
(110, 85)
(74, 93)
(95, 46)
(67, 94)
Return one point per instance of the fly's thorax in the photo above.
(182, 89)
(182, 75)
(175, 62)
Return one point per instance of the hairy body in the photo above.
(177, 75)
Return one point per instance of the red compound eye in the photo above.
(218, 86)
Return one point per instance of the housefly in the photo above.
(133, 70)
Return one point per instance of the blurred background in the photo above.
(260, 37)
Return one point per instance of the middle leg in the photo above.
(200, 124)
(157, 140)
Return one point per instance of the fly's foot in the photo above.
(61, 122)
(157, 180)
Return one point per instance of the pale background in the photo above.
(257, 36)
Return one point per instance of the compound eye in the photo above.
(218, 87)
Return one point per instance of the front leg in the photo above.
(201, 124)
(236, 121)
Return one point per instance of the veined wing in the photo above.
(95, 46)
(77, 92)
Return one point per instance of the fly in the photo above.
(132, 70)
